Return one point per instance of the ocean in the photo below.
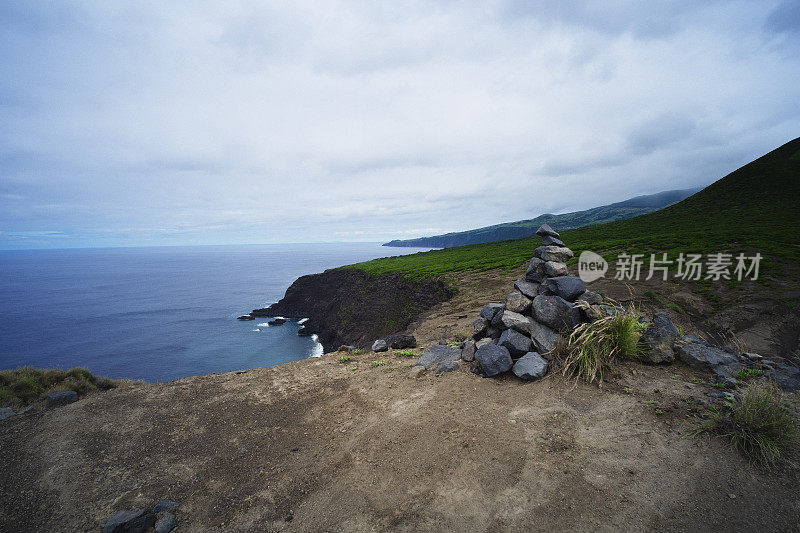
(160, 313)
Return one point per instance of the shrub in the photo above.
(758, 423)
(26, 385)
(592, 347)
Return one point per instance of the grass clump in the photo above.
(376, 364)
(747, 373)
(345, 359)
(592, 347)
(407, 353)
(759, 423)
(29, 386)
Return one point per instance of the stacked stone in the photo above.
(519, 334)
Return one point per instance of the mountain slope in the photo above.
(630, 208)
(752, 208)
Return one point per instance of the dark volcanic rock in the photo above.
(304, 331)
(165, 505)
(348, 306)
(277, 322)
(246, 317)
(380, 345)
(437, 354)
(544, 338)
(530, 366)
(6, 412)
(535, 272)
(787, 377)
(400, 341)
(515, 321)
(490, 310)
(447, 366)
(56, 399)
(554, 268)
(468, 351)
(528, 288)
(591, 298)
(493, 359)
(497, 321)
(704, 357)
(553, 253)
(518, 302)
(517, 343)
(552, 241)
(546, 231)
(479, 327)
(493, 332)
(659, 339)
(556, 313)
(166, 522)
(484, 342)
(132, 521)
(568, 287)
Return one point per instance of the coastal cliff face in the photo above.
(351, 307)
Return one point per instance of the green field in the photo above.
(755, 208)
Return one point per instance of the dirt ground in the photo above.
(323, 445)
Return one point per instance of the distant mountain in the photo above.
(630, 208)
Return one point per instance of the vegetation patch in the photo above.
(747, 373)
(345, 359)
(29, 386)
(759, 422)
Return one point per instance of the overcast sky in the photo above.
(147, 123)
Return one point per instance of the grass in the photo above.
(376, 364)
(406, 353)
(753, 208)
(759, 423)
(591, 348)
(747, 373)
(357, 351)
(30, 386)
(345, 359)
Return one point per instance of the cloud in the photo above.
(278, 121)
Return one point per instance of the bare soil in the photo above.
(319, 445)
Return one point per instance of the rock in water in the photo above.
(135, 520)
(468, 351)
(530, 366)
(568, 287)
(437, 354)
(56, 399)
(528, 288)
(380, 346)
(493, 359)
(556, 313)
(553, 253)
(659, 339)
(518, 302)
(546, 231)
(704, 357)
(544, 339)
(535, 272)
(304, 331)
(515, 321)
(554, 268)
(245, 317)
(401, 341)
(516, 343)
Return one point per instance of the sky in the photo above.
(190, 122)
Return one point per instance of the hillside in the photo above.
(629, 208)
(752, 208)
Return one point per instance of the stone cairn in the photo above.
(519, 334)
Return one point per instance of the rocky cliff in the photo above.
(352, 307)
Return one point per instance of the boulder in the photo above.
(517, 343)
(659, 339)
(544, 339)
(437, 354)
(484, 342)
(493, 359)
(546, 231)
(591, 298)
(468, 351)
(787, 377)
(547, 240)
(447, 366)
(704, 357)
(400, 341)
(346, 348)
(165, 505)
(528, 288)
(568, 287)
(553, 253)
(515, 321)
(166, 522)
(5, 412)
(56, 399)
(490, 310)
(554, 268)
(556, 313)
(591, 312)
(134, 520)
(530, 366)
(494, 333)
(380, 346)
(479, 328)
(497, 321)
(518, 302)
(535, 272)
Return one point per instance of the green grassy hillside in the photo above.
(755, 208)
(630, 208)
